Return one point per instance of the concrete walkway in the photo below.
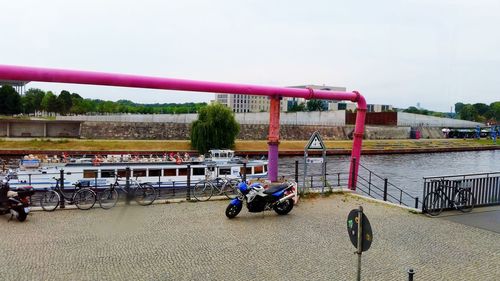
(485, 218)
(195, 241)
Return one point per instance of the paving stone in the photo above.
(195, 241)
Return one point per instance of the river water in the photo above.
(404, 170)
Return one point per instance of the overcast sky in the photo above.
(396, 52)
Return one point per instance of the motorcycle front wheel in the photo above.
(21, 214)
(284, 207)
(233, 210)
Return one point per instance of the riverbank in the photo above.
(80, 146)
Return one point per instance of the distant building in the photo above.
(248, 103)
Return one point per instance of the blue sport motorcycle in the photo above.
(279, 198)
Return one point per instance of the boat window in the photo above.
(216, 154)
(223, 155)
(122, 173)
(107, 173)
(258, 169)
(169, 173)
(224, 171)
(139, 173)
(183, 172)
(248, 171)
(154, 172)
(265, 168)
(89, 173)
(198, 171)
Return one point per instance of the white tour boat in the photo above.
(167, 171)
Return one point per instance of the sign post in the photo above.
(360, 233)
(315, 143)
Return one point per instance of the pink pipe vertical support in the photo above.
(357, 141)
(273, 138)
(23, 73)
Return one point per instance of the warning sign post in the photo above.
(315, 144)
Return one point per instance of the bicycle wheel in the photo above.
(464, 200)
(433, 204)
(84, 199)
(203, 190)
(50, 201)
(145, 194)
(230, 189)
(108, 198)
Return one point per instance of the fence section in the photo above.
(485, 188)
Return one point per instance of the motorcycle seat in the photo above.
(276, 188)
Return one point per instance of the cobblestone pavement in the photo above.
(195, 241)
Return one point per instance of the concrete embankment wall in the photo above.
(39, 128)
(176, 131)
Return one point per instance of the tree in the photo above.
(65, 102)
(49, 102)
(32, 100)
(10, 101)
(317, 105)
(468, 112)
(458, 107)
(297, 107)
(481, 108)
(494, 112)
(216, 127)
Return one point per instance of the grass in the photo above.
(241, 145)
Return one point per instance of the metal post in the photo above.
(360, 240)
(411, 272)
(324, 173)
(61, 185)
(369, 182)
(311, 181)
(297, 171)
(244, 172)
(188, 183)
(416, 202)
(29, 181)
(127, 185)
(385, 189)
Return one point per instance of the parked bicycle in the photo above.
(83, 198)
(143, 193)
(461, 198)
(205, 189)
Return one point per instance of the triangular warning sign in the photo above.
(315, 142)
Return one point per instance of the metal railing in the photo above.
(378, 187)
(485, 187)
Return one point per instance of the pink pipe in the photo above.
(22, 73)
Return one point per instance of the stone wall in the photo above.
(176, 131)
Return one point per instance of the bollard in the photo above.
(416, 202)
(127, 185)
(188, 183)
(61, 186)
(411, 272)
(385, 189)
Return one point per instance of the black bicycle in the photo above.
(143, 193)
(83, 197)
(461, 198)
